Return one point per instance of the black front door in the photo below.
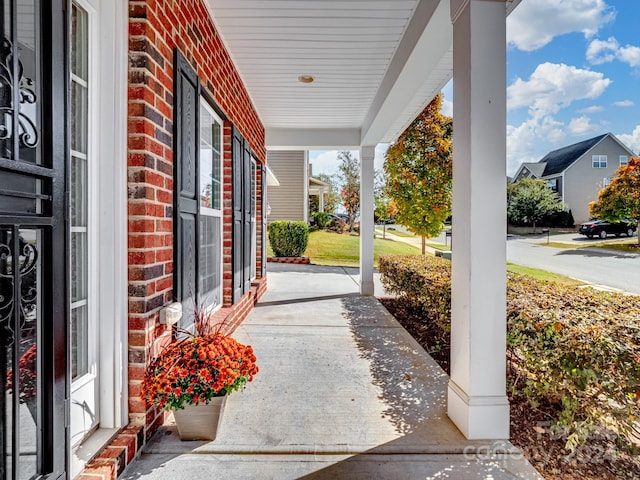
(33, 242)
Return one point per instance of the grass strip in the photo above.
(543, 275)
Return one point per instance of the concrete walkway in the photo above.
(343, 392)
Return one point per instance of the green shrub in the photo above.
(577, 350)
(572, 351)
(288, 238)
(424, 281)
(322, 219)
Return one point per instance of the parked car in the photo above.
(602, 228)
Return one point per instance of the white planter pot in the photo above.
(200, 422)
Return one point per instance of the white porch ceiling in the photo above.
(376, 64)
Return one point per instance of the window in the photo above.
(606, 181)
(599, 161)
(624, 159)
(210, 225)
(552, 185)
(79, 216)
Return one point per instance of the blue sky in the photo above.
(573, 72)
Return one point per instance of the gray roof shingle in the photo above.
(559, 160)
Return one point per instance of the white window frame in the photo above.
(91, 206)
(624, 159)
(599, 161)
(212, 212)
(109, 270)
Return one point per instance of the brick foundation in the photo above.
(112, 461)
(296, 260)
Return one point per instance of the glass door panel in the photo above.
(84, 387)
(20, 307)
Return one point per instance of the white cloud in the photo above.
(631, 140)
(326, 161)
(580, 126)
(624, 103)
(524, 141)
(447, 107)
(591, 109)
(552, 87)
(631, 55)
(534, 23)
(604, 51)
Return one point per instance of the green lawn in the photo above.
(395, 232)
(543, 275)
(627, 245)
(438, 246)
(328, 248)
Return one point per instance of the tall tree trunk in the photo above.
(424, 244)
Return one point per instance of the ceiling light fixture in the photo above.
(306, 79)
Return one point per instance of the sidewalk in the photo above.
(415, 241)
(343, 392)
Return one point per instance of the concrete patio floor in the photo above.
(343, 392)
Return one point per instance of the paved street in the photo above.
(611, 268)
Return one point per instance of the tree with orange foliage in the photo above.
(419, 172)
(620, 200)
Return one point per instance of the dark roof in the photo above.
(559, 160)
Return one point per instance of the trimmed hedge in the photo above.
(288, 238)
(573, 351)
(424, 281)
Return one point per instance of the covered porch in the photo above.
(354, 74)
(343, 392)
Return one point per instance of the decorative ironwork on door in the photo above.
(33, 293)
(14, 91)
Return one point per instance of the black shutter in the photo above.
(241, 216)
(238, 217)
(248, 210)
(263, 209)
(186, 180)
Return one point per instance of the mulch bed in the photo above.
(598, 459)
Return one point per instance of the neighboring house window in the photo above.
(198, 195)
(606, 181)
(599, 161)
(624, 159)
(553, 185)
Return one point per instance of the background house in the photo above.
(579, 171)
(293, 197)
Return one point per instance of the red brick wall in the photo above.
(156, 27)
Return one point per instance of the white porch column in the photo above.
(366, 219)
(477, 401)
